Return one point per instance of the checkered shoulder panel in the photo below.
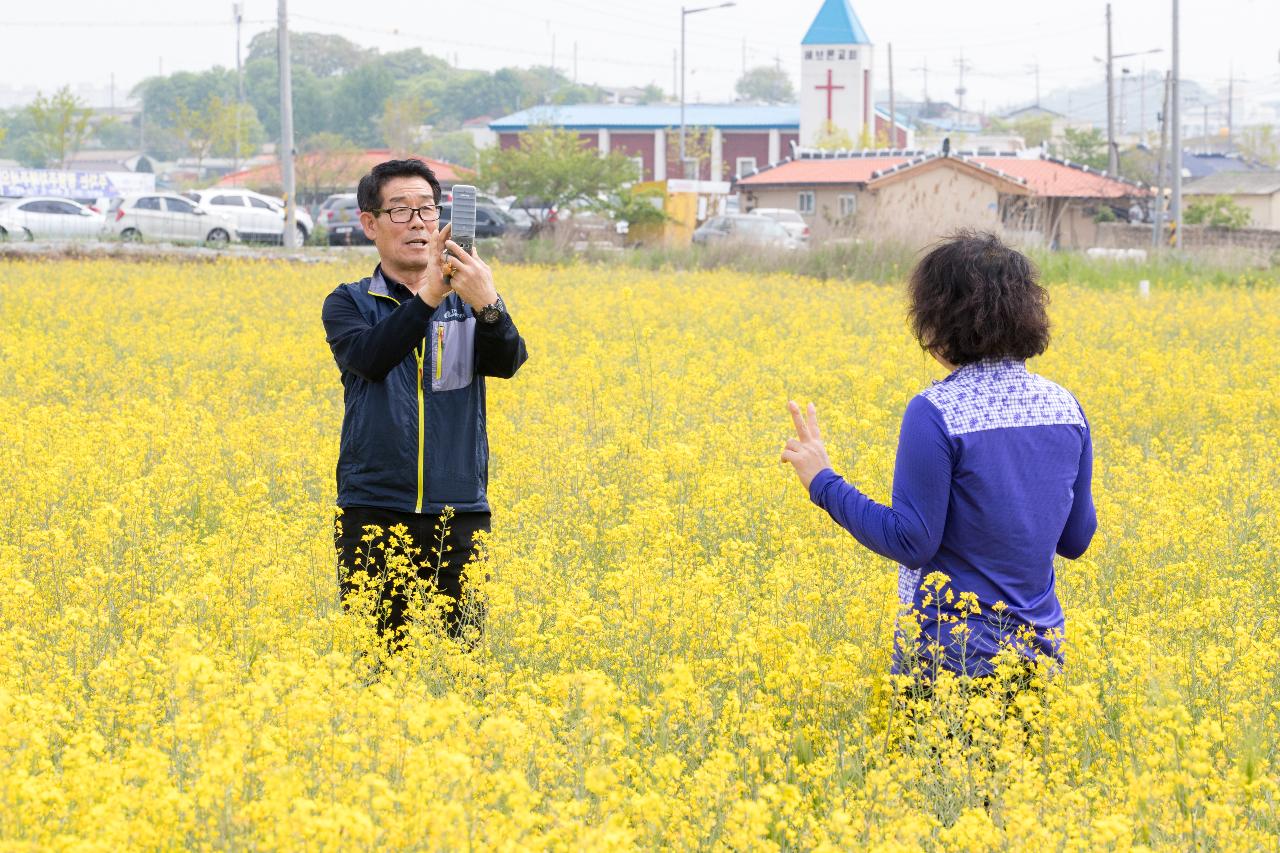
(999, 394)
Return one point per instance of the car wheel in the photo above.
(301, 234)
(218, 237)
(28, 236)
(131, 235)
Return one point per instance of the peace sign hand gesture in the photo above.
(806, 452)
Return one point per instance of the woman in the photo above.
(993, 468)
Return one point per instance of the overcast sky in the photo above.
(633, 42)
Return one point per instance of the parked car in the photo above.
(44, 218)
(744, 228)
(491, 220)
(341, 221)
(167, 216)
(788, 219)
(259, 218)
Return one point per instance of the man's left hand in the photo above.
(471, 277)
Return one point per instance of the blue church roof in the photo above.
(651, 117)
(836, 24)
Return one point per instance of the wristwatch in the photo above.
(492, 313)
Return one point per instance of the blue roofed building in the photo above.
(724, 141)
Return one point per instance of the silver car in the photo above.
(48, 218)
(744, 228)
(788, 219)
(167, 216)
(259, 218)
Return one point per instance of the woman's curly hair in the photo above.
(974, 298)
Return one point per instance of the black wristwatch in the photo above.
(492, 313)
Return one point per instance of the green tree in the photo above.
(767, 84)
(457, 147)
(1260, 142)
(401, 123)
(557, 167)
(1085, 146)
(652, 94)
(1220, 211)
(322, 54)
(1034, 130)
(60, 125)
(213, 129)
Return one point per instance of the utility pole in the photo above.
(237, 12)
(1158, 215)
(684, 13)
(961, 67)
(286, 124)
(925, 88)
(1113, 154)
(1204, 127)
(1176, 115)
(1035, 68)
(893, 105)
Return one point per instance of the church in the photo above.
(726, 141)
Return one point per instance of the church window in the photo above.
(804, 202)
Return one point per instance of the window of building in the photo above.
(638, 162)
(848, 205)
(804, 202)
(690, 168)
(745, 166)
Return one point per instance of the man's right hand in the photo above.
(435, 290)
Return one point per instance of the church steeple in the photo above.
(835, 78)
(836, 24)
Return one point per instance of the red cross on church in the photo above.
(829, 89)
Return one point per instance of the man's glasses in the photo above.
(401, 215)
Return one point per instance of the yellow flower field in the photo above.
(681, 651)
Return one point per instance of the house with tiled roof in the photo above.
(319, 173)
(920, 196)
(1256, 192)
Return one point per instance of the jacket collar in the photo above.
(380, 285)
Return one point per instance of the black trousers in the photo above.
(443, 571)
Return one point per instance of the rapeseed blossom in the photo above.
(679, 650)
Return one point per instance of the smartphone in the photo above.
(463, 218)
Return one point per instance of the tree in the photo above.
(322, 54)
(766, 83)
(401, 123)
(328, 162)
(1034, 130)
(1085, 146)
(213, 130)
(60, 125)
(457, 147)
(1221, 211)
(1261, 143)
(652, 94)
(832, 137)
(557, 167)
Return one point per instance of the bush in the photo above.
(1221, 211)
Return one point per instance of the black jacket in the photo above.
(413, 434)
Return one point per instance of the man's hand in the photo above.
(471, 277)
(435, 290)
(806, 452)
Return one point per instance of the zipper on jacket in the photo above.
(420, 355)
(439, 350)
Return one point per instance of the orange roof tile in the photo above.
(1042, 177)
(836, 170)
(339, 169)
(1052, 178)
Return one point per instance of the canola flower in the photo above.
(680, 651)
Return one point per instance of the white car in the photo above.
(788, 219)
(45, 218)
(259, 218)
(167, 216)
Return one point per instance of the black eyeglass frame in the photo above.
(390, 212)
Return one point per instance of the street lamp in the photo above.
(684, 13)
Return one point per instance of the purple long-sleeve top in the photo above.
(992, 479)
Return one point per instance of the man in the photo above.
(414, 343)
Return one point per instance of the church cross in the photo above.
(829, 89)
